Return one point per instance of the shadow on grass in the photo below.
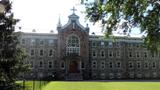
(30, 85)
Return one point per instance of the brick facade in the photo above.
(98, 58)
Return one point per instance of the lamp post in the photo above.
(33, 76)
(23, 82)
(40, 76)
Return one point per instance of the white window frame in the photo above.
(93, 53)
(82, 63)
(32, 41)
(50, 64)
(23, 41)
(145, 54)
(72, 49)
(50, 42)
(138, 65)
(130, 54)
(53, 52)
(102, 65)
(110, 52)
(138, 54)
(94, 44)
(62, 62)
(33, 52)
(94, 64)
(153, 64)
(118, 54)
(130, 63)
(102, 43)
(40, 52)
(146, 64)
(41, 65)
(118, 65)
(103, 54)
(110, 44)
(110, 64)
(41, 40)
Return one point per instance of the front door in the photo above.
(73, 67)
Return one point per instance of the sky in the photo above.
(43, 15)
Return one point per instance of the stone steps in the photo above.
(74, 76)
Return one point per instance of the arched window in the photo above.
(102, 53)
(73, 46)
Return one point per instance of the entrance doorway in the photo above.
(73, 67)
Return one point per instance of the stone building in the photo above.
(73, 54)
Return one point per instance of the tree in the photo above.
(144, 14)
(11, 54)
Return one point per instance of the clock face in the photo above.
(2, 8)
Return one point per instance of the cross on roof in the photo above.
(73, 9)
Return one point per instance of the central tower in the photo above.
(73, 49)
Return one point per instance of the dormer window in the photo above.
(33, 41)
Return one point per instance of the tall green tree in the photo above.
(11, 54)
(144, 14)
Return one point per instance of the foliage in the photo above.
(11, 54)
(144, 14)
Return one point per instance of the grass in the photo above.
(60, 85)
(29, 85)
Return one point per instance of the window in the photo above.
(82, 65)
(145, 54)
(33, 41)
(153, 55)
(102, 64)
(41, 52)
(40, 64)
(50, 64)
(110, 65)
(130, 65)
(111, 75)
(110, 44)
(102, 43)
(146, 65)
(118, 53)
(94, 64)
(23, 41)
(94, 54)
(130, 54)
(138, 65)
(137, 54)
(102, 53)
(41, 42)
(51, 52)
(110, 54)
(62, 65)
(32, 52)
(118, 44)
(93, 44)
(118, 64)
(51, 41)
(138, 45)
(73, 46)
(31, 63)
(153, 65)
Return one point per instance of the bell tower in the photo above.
(73, 47)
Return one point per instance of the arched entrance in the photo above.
(73, 67)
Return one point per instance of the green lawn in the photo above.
(60, 85)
